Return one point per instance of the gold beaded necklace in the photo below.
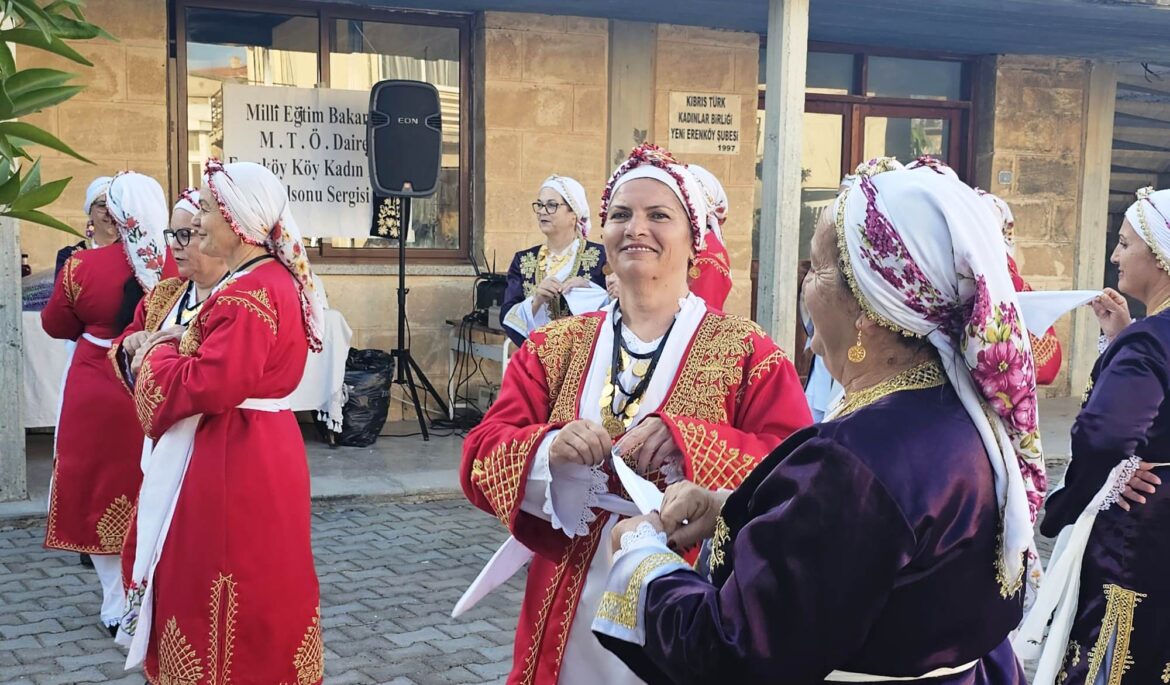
(1160, 308)
(928, 374)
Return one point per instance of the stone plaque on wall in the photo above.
(705, 123)
(314, 140)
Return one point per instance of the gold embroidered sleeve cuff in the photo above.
(622, 612)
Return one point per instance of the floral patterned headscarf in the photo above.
(138, 206)
(1004, 212)
(1150, 218)
(650, 161)
(717, 202)
(188, 201)
(923, 254)
(255, 203)
(573, 193)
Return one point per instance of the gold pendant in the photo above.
(631, 409)
(694, 273)
(613, 425)
(641, 368)
(607, 395)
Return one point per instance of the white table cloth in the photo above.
(322, 388)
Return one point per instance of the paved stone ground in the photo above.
(390, 574)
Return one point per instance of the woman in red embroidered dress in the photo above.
(685, 391)
(223, 586)
(95, 482)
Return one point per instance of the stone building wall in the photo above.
(700, 60)
(119, 121)
(1033, 125)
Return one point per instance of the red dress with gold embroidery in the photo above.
(1046, 350)
(236, 598)
(734, 398)
(710, 274)
(96, 471)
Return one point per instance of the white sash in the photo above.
(100, 342)
(164, 468)
(1059, 593)
(847, 677)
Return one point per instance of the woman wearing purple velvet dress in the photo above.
(1108, 596)
(891, 541)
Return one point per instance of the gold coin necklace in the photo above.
(617, 413)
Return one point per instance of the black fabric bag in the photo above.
(368, 376)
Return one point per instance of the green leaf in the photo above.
(30, 12)
(27, 80)
(32, 179)
(40, 99)
(73, 29)
(36, 39)
(40, 196)
(33, 216)
(5, 171)
(10, 190)
(33, 134)
(7, 61)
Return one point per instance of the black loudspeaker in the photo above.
(405, 138)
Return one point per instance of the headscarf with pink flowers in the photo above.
(255, 203)
(650, 161)
(138, 206)
(923, 254)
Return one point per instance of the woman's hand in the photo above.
(575, 282)
(132, 342)
(650, 443)
(689, 512)
(174, 333)
(1112, 312)
(630, 525)
(1143, 480)
(547, 291)
(580, 442)
(613, 286)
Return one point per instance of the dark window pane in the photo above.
(898, 77)
(829, 72)
(906, 138)
(365, 52)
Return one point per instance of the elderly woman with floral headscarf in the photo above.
(1046, 350)
(658, 382)
(890, 541)
(564, 275)
(223, 515)
(1106, 599)
(98, 440)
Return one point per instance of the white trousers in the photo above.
(109, 571)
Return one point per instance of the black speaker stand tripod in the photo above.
(407, 369)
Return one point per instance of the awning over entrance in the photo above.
(1107, 29)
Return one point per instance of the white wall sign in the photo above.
(314, 140)
(704, 123)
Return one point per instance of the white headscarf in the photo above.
(1150, 218)
(255, 203)
(1008, 221)
(924, 256)
(96, 188)
(574, 194)
(139, 208)
(717, 201)
(188, 201)
(650, 161)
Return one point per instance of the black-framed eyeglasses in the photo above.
(179, 236)
(549, 207)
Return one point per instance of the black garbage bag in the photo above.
(368, 375)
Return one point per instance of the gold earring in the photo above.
(857, 352)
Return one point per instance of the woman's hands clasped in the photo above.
(173, 333)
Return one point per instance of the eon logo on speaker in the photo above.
(408, 120)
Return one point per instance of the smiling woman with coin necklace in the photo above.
(658, 379)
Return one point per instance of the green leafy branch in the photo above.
(26, 91)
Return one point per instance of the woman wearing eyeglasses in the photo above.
(564, 275)
(174, 301)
